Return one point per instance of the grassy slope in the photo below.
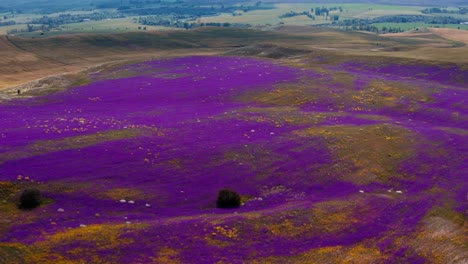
(36, 58)
(27, 59)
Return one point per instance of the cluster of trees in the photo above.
(16, 31)
(29, 28)
(68, 18)
(176, 23)
(318, 11)
(335, 17)
(436, 10)
(191, 10)
(325, 11)
(417, 18)
(293, 14)
(7, 23)
(367, 24)
(257, 6)
(127, 3)
(181, 10)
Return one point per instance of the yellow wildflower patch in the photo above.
(330, 255)
(167, 255)
(102, 237)
(375, 151)
(125, 193)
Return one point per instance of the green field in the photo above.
(262, 17)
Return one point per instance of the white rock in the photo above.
(60, 210)
(361, 191)
(260, 198)
(128, 222)
(123, 201)
(82, 225)
(148, 205)
(131, 202)
(389, 190)
(399, 192)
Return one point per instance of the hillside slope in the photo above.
(26, 59)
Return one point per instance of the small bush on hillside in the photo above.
(228, 199)
(30, 199)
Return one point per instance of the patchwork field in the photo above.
(356, 159)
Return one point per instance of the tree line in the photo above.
(366, 24)
(437, 10)
(68, 18)
(318, 11)
(181, 22)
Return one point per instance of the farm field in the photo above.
(343, 154)
(271, 15)
(115, 25)
(261, 17)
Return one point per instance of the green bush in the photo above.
(30, 199)
(228, 199)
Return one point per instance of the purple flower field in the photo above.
(351, 163)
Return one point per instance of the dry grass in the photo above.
(442, 241)
(23, 60)
(453, 34)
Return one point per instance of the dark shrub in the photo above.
(30, 199)
(228, 199)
